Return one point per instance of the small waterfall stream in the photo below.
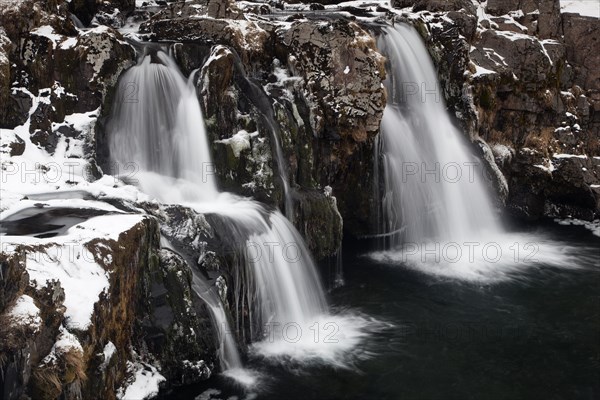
(229, 356)
(262, 102)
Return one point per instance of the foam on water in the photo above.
(245, 377)
(500, 257)
(332, 339)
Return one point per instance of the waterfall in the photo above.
(431, 187)
(156, 125)
(163, 131)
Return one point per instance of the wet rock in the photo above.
(343, 73)
(238, 125)
(15, 110)
(177, 329)
(246, 37)
(494, 177)
(85, 10)
(88, 65)
(319, 221)
(334, 111)
(14, 104)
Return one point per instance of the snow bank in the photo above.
(75, 262)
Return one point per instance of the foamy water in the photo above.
(335, 340)
(499, 257)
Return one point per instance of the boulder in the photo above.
(176, 326)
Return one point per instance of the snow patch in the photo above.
(69, 43)
(70, 259)
(238, 142)
(593, 226)
(480, 71)
(48, 32)
(559, 156)
(25, 312)
(108, 352)
(145, 383)
(65, 343)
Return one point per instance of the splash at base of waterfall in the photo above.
(499, 257)
(297, 325)
(247, 378)
(328, 339)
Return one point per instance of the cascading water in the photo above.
(164, 132)
(436, 215)
(432, 187)
(157, 124)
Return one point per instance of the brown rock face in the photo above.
(582, 40)
(545, 12)
(73, 374)
(343, 74)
